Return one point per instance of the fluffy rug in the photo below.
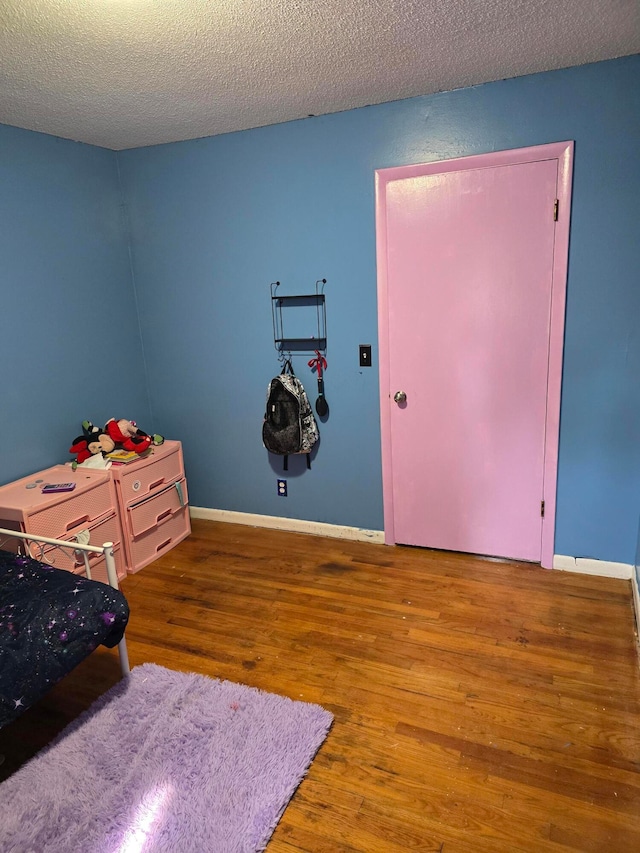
(165, 761)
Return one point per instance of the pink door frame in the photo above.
(563, 153)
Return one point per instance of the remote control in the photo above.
(58, 487)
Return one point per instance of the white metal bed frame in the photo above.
(75, 548)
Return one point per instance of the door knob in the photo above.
(400, 397)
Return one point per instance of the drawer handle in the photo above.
(156, 484)
(90, 557)
(78, 521)
(162, 517)
(164, 544)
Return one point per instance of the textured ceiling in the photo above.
(126, 73)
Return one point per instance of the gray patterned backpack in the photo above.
(289, 424)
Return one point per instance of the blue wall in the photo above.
(215, 220)
(212, 222)
(70, 345)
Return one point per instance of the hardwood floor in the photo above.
(480, 706)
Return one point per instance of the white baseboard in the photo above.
(585, 566)
(581, 565)
(294, 525)
(636, 605)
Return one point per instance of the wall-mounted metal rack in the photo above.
(287, 319)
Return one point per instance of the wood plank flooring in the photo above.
(480, 706)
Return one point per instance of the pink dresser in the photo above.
(142, 507)
(153, 504)
(91, 507)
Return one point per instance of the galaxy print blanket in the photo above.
(50, 620)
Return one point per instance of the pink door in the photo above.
(467, 275)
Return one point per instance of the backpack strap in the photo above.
(287, 367)
(285, 464)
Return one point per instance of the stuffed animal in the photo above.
(93, 441)
(125, 434)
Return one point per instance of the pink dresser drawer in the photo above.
(75, 512)
(151, 512)
(157, 524)
(150, 474)
(157, 541)
(107, 530)
(51, 515)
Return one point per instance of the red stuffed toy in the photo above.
(90, 443)
(126, 435)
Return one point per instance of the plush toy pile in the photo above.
(116, 435)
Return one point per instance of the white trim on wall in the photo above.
(359, 534)
(295, 525)
(636, 606)
(585, 566)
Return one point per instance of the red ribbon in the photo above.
(319, 362)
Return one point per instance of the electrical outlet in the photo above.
(365, 355)
(282, 488)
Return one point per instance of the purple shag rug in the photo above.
(165, 761)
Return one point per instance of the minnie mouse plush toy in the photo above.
(125, 434)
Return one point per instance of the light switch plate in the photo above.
(365, 355)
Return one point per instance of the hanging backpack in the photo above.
(289, 424)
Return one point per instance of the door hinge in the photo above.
(556, 205)
(541, 509)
